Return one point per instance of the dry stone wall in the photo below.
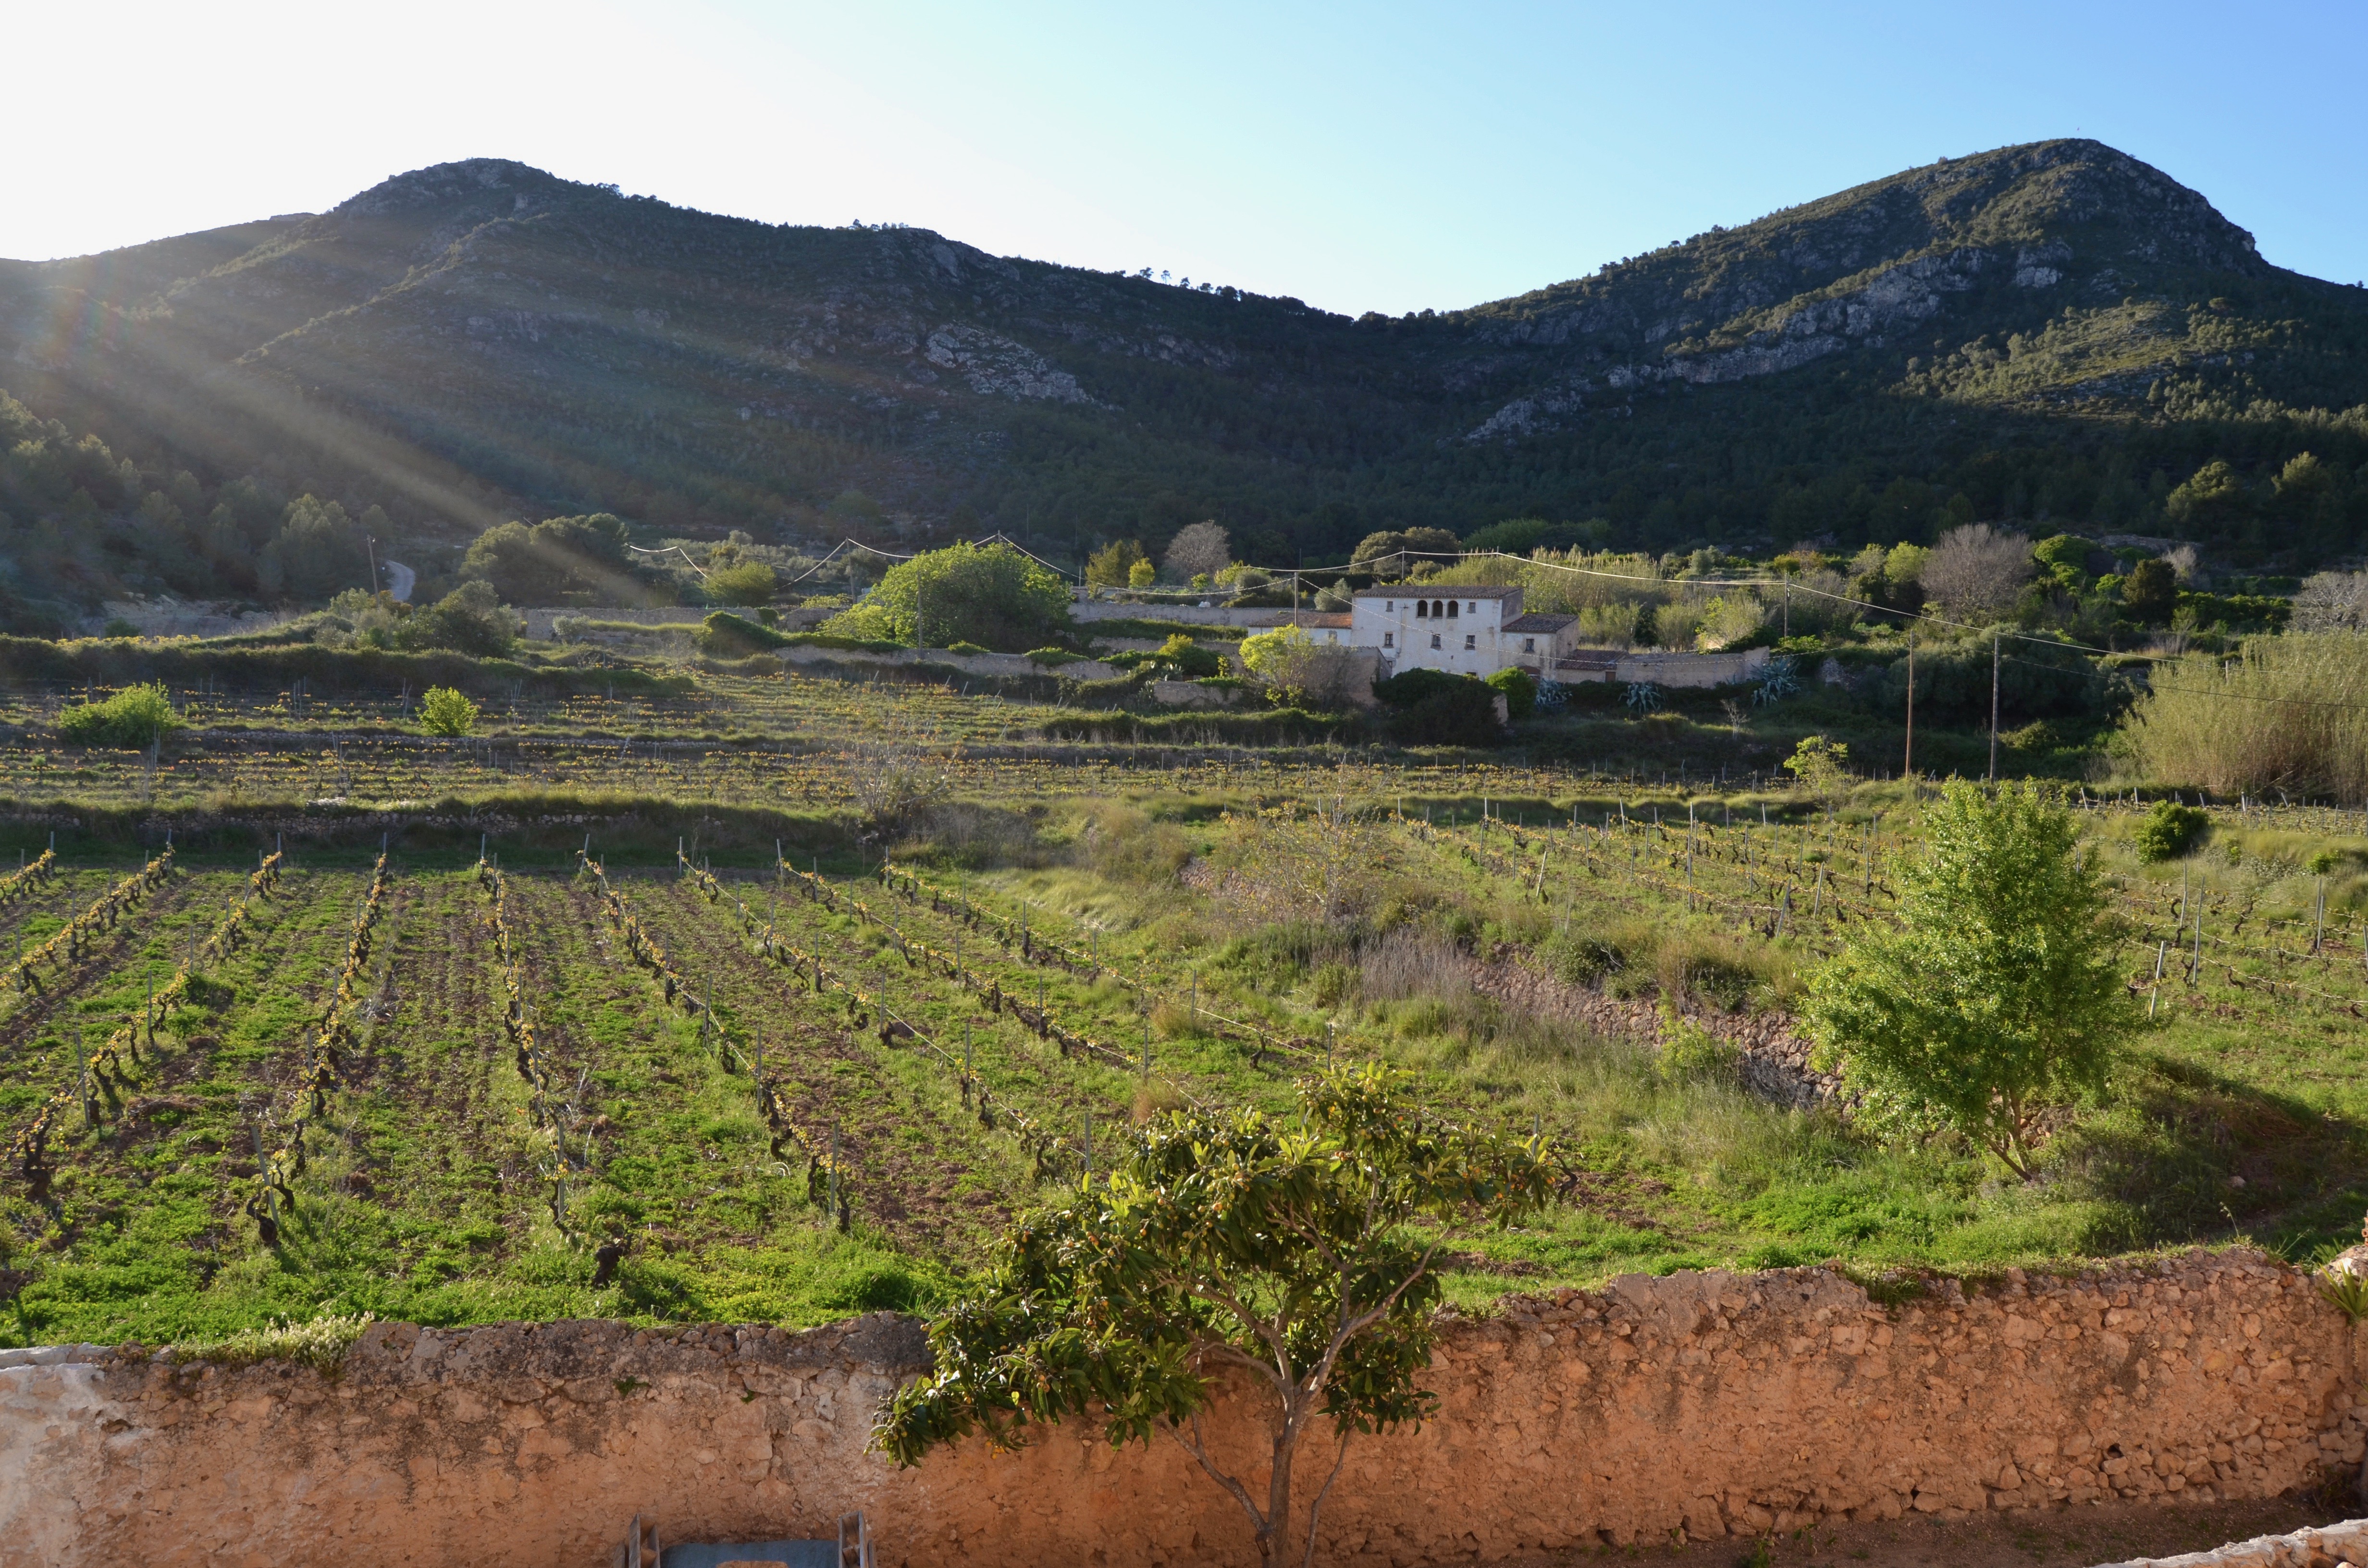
(1706, 1404)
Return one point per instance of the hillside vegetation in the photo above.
(2053, 335)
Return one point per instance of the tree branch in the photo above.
(1315, 1509)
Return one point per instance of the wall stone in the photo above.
(1708, 1403)
(2323, 1548)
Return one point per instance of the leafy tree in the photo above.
(1823, 769)
(1227, 1241)
(445, 711)
(317, 552)
(1142, 575)
(583, 559)
(130, 719)
(1406, 542)
(469, 619)
(2169, 829)
(1188, 658)
(742, 582)
(1113, 567)
(2151, 592)
(1995, 997)
(991, 595)
(1520, 689)
(2213, 500)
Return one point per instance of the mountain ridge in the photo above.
(481, 339)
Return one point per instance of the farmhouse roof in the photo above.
(1438, 591)
(1539, 621)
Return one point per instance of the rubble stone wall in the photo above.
(1708, 1403)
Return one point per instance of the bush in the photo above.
(444, 712)
(967, 649)
(747, 583)
(130, 719)
(992, 596)
(1435, 708)
(1520, 691)
(1051, 658)
(1584, 960)
(1188, 659)
(2169, 831)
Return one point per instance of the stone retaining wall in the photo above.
(1697, 1405)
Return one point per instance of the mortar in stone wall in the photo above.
(1703, 1403)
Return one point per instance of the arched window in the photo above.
(1451, 609)
(1422, 610)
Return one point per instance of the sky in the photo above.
(1382, 156)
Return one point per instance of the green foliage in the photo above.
(2169, 830)
(1432, 708)
(1305, 1256)
(563, 560)
(1520, 689)
(1401, 549)
(1051, 658)
(966, 649)
(742, 582)
(317, 552)
(444, 712)
(130, 719)
(1188, 659)
(2151, 592)
(469, 620)
(1822, 767)
(1995, 999)
(1142, 575)
(1114, 566)
(989, 595)
(2066, 557)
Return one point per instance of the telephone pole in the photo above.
(1994, 705)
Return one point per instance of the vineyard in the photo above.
(804, 1058)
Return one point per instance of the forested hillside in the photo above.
(2053, 334)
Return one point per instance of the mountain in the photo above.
(2054, 334)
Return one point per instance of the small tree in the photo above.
(992, 596)
(1199, 551)
(1823, 769)
(1995, 997)
(1113, 567)
(1305, 1256)
(130, 719)
(1142, 575)
(445, 711)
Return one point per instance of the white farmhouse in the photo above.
(1463, 629)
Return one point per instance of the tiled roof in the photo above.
(1438, 591)
(1538, 621)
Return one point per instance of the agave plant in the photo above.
(1642, 696)
(1780, 680)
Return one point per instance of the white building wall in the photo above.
(1469, 643)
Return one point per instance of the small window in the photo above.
(1434, 639)
(1331, 637)
(1472, 609)
(1451, 609)
(1389, 606)
(1470, 643)
(1389, 639)
(1529, 644)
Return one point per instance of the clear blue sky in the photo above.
(1383, 156)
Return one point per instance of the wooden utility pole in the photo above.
(1908, 761)
(1994, 705)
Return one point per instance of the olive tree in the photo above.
(1302, 1255)
(1996, 996)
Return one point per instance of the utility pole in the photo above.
(1994, 705)
(1908, 761)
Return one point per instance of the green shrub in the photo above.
(1691, 1051)
(1520, 689)
(444, 712)
(1584, 960)
(1051, 658)
(2169, 831)
(132, 718)
(967, 649)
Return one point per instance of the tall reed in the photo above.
(2288, 713)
